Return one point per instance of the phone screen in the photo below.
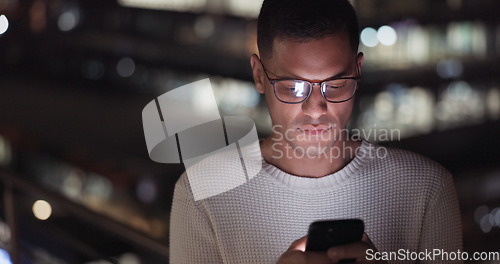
(325, 234)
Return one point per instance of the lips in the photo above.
(318, 128)
(314, 131)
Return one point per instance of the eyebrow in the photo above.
(341, 74)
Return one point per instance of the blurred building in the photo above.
(78, 185)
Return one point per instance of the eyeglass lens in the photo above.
(295, 91)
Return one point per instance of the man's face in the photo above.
(315, 124)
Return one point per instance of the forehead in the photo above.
(314, 59)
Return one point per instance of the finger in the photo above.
(299, 244)
(292, 257)
(299, 257)
(367, 239)
(356, 251)
(317, 258)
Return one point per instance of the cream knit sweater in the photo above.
(406, 201)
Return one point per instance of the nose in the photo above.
(316, 105)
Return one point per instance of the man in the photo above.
(308, 70)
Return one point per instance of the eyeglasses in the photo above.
(334, 90)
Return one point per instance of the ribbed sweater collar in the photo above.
(327, 182)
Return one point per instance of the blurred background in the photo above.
(77, 184)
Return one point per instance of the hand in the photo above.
(355, 251)
(296, 253)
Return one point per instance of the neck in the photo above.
(281, 154)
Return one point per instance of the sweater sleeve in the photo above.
(442, 229)
(192, 238)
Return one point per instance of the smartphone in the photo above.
(325, 234)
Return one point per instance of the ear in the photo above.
(258, 73)
(359, 61)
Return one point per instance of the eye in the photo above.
(292, 88)
(287, 89)
(334, 85)
(328, 89)
(328, 86)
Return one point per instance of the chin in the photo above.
(312, 147)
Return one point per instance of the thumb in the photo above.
(299, 244)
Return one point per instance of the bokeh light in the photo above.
(4, 257)
(146, 190)
(451, 68)
(369, 37)
(125, 67)
(4, 24)
(68, 20)
(42, 210)
(5, 151)
(486, 219)
(129, 258)
(497, 218)
(5, 233)
(174, 5)
(485, 224)
(387, 35)
(493, 103)
(93, 69)
(204, 27)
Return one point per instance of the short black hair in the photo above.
(303, 20)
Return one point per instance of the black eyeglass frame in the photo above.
(274, 81)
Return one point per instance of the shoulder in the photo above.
(220, 171)
(406, 165)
